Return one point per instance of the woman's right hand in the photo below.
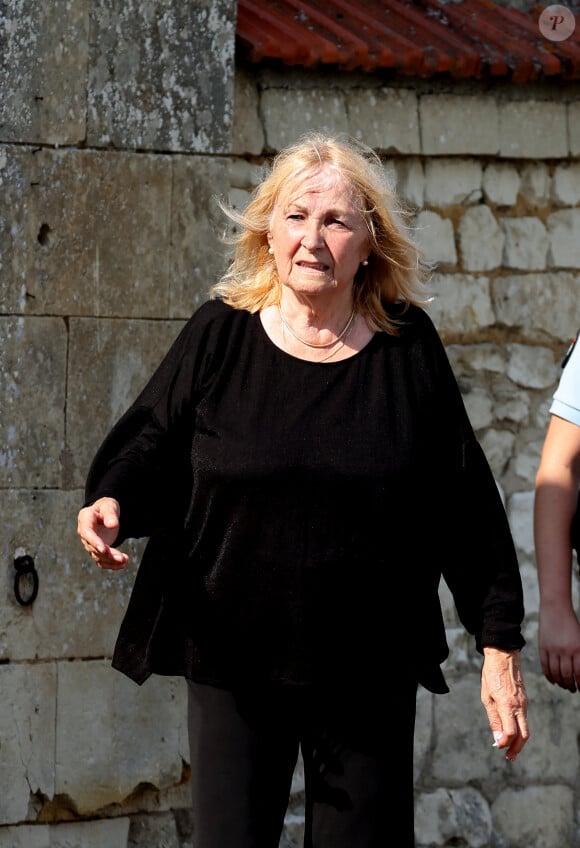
(98, 527)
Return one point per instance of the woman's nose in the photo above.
(312, 236)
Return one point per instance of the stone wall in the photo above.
(113, 149)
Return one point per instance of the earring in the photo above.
(270, 250)
(365, 262)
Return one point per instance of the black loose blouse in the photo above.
(300, 515)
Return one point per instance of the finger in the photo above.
(545, 663)
(576, 673)
(107, 507)
(511, 723)
(521, 738)
(494, 721)
(567, 674)
(111, 559)
(108, 515)
(554, 669)
(109, 563)
(561, 674)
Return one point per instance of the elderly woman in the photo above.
(305, 470)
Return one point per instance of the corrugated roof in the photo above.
(471, 39)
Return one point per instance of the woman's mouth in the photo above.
(313, 266)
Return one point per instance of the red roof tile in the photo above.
(470, 39)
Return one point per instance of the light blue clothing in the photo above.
(566, 400)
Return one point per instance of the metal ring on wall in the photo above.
(25, 573)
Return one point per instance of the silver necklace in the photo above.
(332, 353)
(319, 346)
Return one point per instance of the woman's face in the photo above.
(318, 236)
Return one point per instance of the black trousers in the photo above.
(358, 766)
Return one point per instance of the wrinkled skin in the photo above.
(504, 697)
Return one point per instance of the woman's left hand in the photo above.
(504, 697)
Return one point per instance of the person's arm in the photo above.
(556, 495)
(481, 570)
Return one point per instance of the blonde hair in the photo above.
(396, 270)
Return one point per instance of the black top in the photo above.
(300, 514)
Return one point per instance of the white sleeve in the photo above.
(566, 400)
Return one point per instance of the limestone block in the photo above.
(574, 127)
(481, 239)
(293, 833)
(107, 833)
(534, 817)
(153, 830)
(25, 836)
(238, 199)
(453, 816)
(162, 75)
(244, 175)
(540, 304)
(109, 364)
(198, 255)
(536, 184)
(526, 243)
(552, 756)
(520, 514)
(43, 87)
(462, 302)
(564, 232)
(32, 388)
(423, 731)
(512, 406)
(530, 655)
(451, 181)
(78, 608)
(462, 750)
(461, 650)
(531, 592)
(479, 406)
(297, 788)
(530, 367)
(458, 124)
(390, 176)
(410, 181)
(316, 109)
(137, 734)
(526, 460)
(566, 184)
(88, 233)
(522, 129)
(501, 183)
(447, 606)
(247, 131)
(27, 731)
(386, 119)
(543, 408)
(185, 825)
(498, 446)
(476, 358)
(436, 237)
